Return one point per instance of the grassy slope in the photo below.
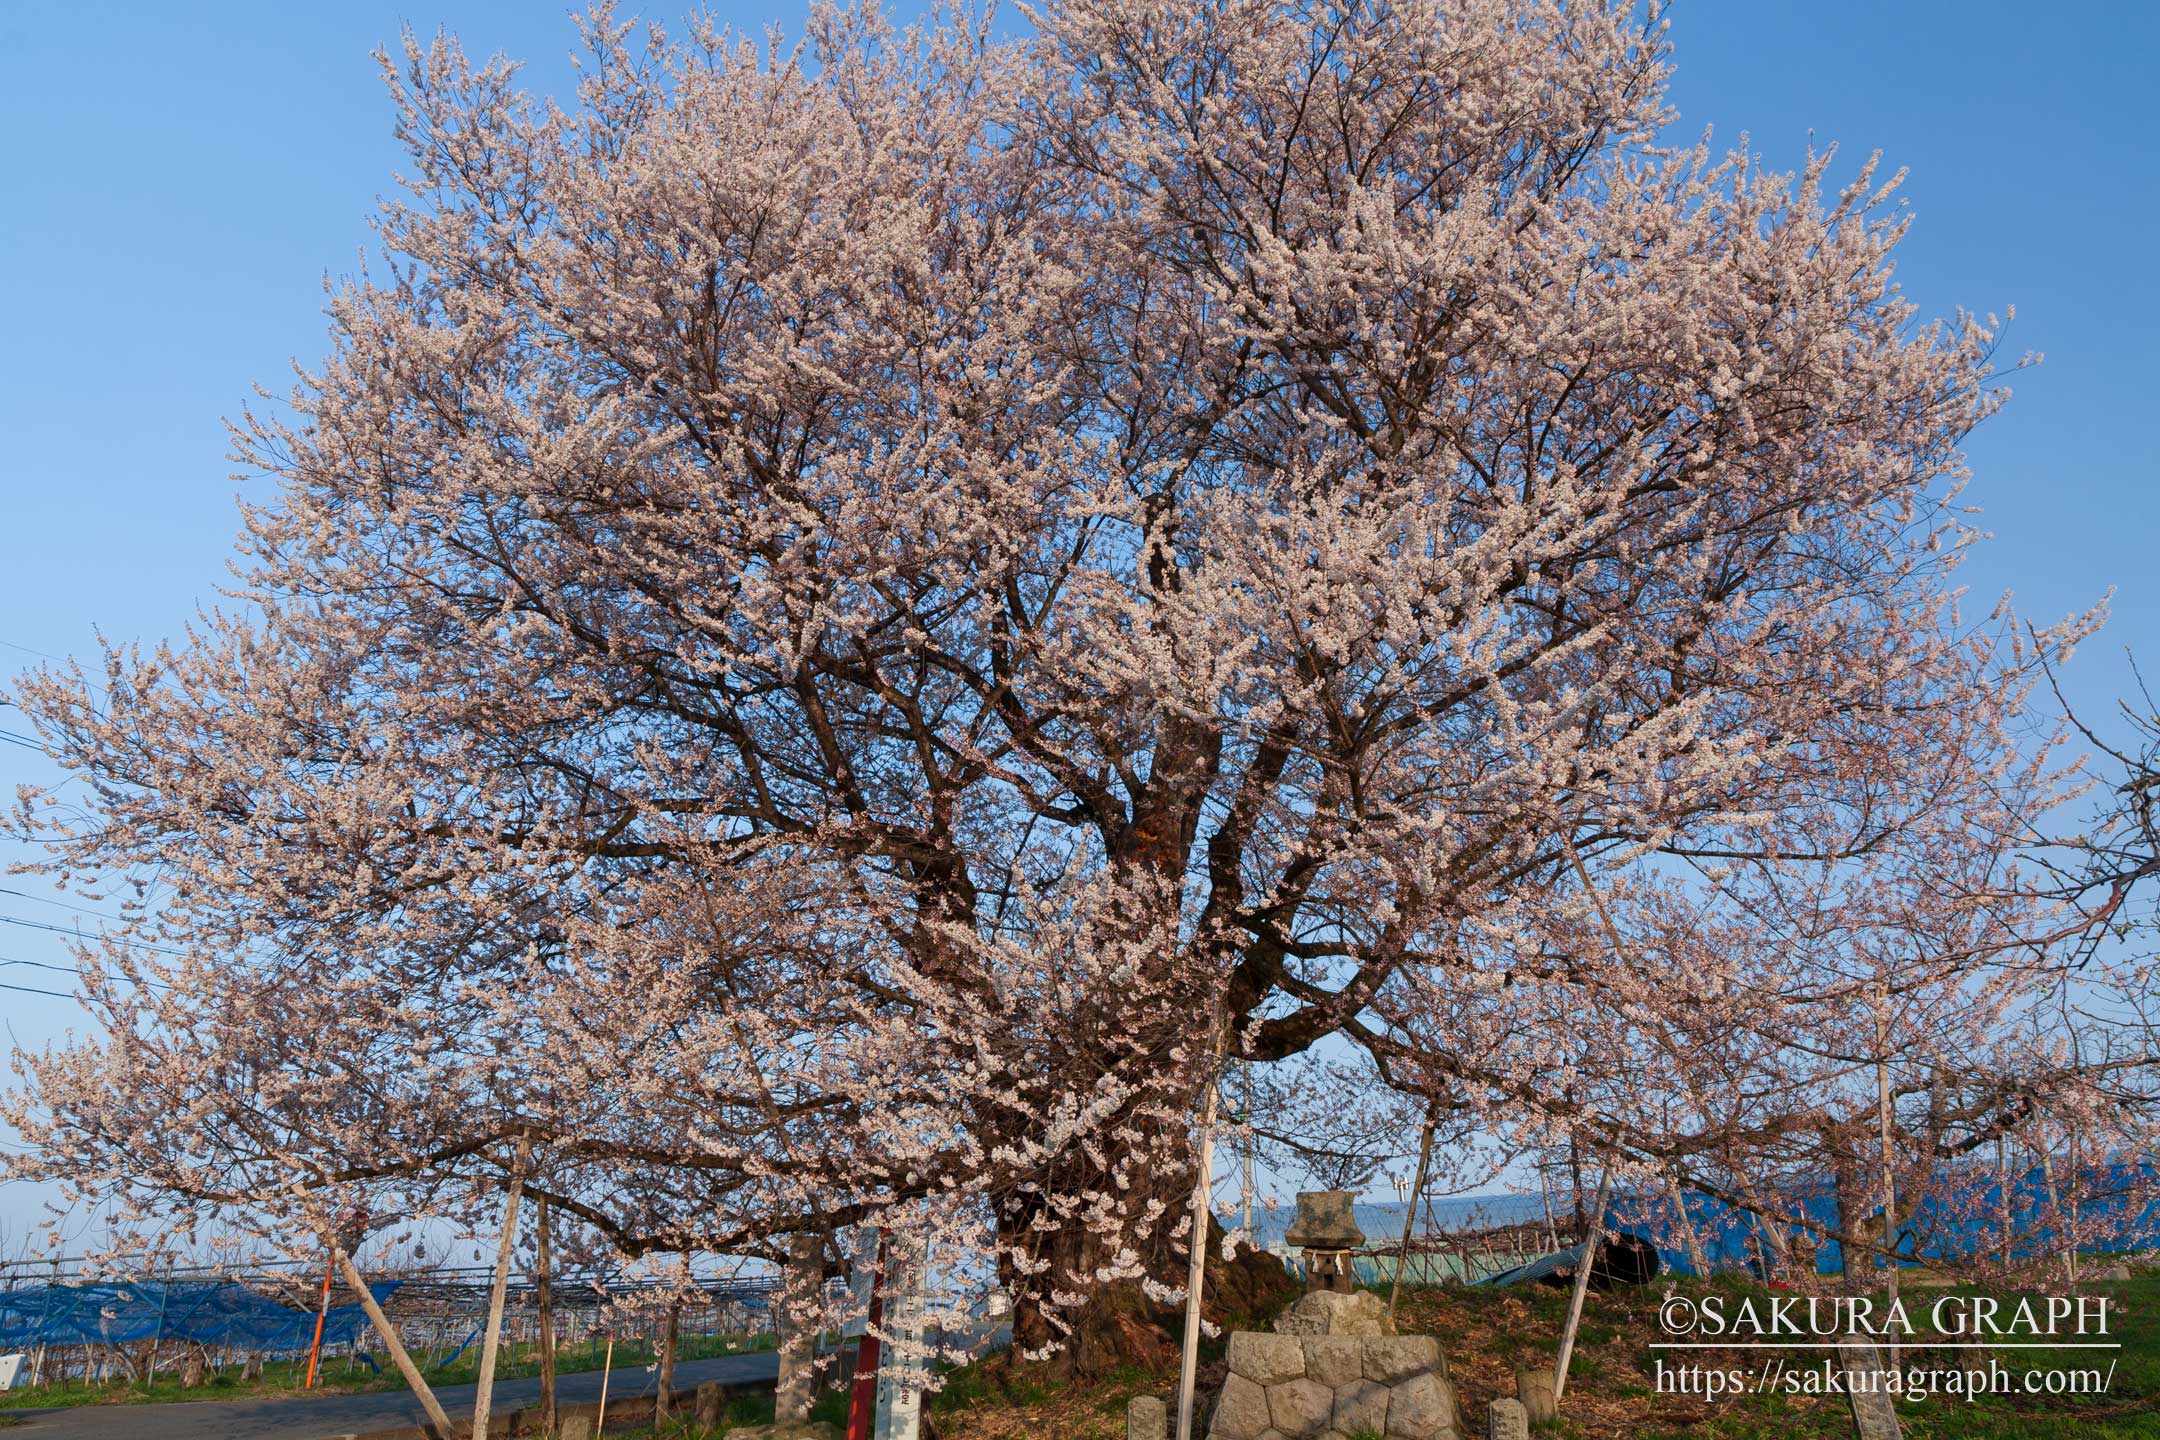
(1611, 1392)
(1611, 1396)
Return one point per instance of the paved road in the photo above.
(314, 1417)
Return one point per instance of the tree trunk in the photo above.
(798, 1321)
(1852, 1207)
(667, 1363)
(1120, 1325)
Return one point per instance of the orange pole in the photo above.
(862, 1403)
(322, 1313)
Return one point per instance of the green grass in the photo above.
(740, 1413)
(337, 1376)
(996, 1382)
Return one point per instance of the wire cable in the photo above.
(71, 970)
(80, 935)
(33, 990)
(63, 904)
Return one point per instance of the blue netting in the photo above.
(208, 1312)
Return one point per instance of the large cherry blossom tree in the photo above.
(840, 626)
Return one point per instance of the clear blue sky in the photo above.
(179, 178)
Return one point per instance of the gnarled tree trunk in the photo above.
(1120, 1323)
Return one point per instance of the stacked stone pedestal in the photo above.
(1332, 1387)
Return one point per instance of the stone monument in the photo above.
(1534, 1388)
(1331, 1387)
(1874, 1411)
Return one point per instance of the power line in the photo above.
(66, 660)
(33, 990)
(41, 654)
(23, 740)
(40, 965)
(70, 970)
(79, 935)
(64, 905)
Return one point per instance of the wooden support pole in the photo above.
(1883, 1117)
(546, 1299)
(490, 1339)
(1417, 1188)
(1196, 1272)
(396, 1347)
(607, 1368)
(1593, 1232)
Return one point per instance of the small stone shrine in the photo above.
(1326, 1231)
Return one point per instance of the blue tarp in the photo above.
(1944, 1226)
(1970, 1224)
(207, 1312)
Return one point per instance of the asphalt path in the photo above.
(316, 1417)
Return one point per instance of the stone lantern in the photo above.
(1327, 1232)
